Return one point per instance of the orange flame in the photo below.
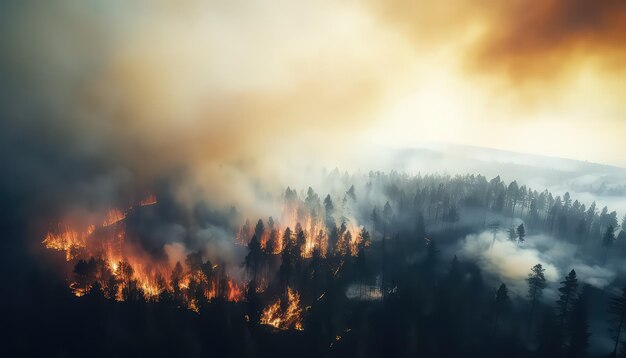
(149, 200)
(113, 216)
(125, 271)
(234, 294)
(288, 318)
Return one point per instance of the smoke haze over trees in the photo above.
(315, 178)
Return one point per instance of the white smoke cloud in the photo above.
(510, 262)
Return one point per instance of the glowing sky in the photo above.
(229, 80)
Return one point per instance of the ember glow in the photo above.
(312, 228)
(103, 258)
(106, 261)
(371, 178)
(284, 314)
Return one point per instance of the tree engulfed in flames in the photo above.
(121, 271)
(316, 225)
(284, 317)
(108, 262)
(68, 240)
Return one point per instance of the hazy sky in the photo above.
(231, 81)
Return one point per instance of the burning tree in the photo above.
(284, 314)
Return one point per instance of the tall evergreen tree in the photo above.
(254, 257)
(500, 305)
(567, 297)
(536, 284)
(287, 258)
(259, 229)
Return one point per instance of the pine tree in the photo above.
(259, 229)
(253, 259)
(567, 297)
(500, 305)
(177, 277)
(536, 284)
(329, 207)
(287, 258)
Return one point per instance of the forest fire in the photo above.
(109, 261)
(235, 294)
(105, 260)
(295, 276)
(149, 200)
(68, 240)
(113, 216)
(311, 226)
(284, 315)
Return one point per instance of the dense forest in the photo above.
(370, 268)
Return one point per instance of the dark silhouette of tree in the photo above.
(501, 304)
(254, 257)
(112, 287)
(300, 241)
(609, 237)
(165, 296)
(329, 208)
(272, 245)
(287, 258)
(194, 262)
(521, 233)
(350, 193)
(176, 279)
(536, 284)
(130, 289)
(567, 297)
(617, 317)
(513, 194)
(259, 229)
(361, 261)
(84, 272)
(253, 302)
